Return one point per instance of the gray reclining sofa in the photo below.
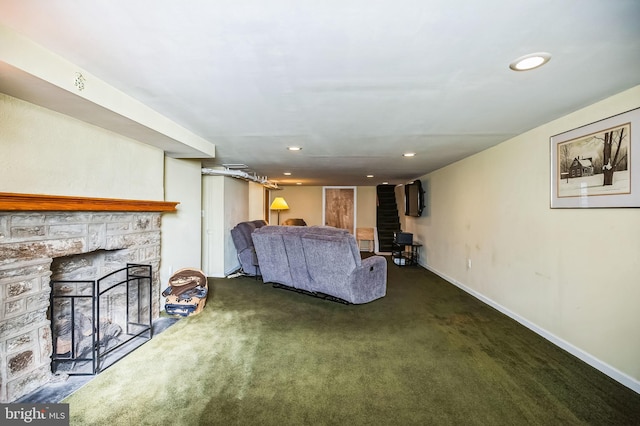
(241, 235)
(320, 260)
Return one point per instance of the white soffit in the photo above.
(31, 73)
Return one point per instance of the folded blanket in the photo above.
(197, 292)
(186, 279)
(187, 292)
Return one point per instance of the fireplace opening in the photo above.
(95, 323)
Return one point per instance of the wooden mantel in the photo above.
(33, 202)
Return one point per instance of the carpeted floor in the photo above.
(426, 354)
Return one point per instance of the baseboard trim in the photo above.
(603, 367)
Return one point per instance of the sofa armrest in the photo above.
(369, 280)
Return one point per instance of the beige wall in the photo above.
(569, 274)
(44, 152)
(236, 210)
(181, 231)
(305, 202)
(257, 195)
(212, 225)
(366, 207)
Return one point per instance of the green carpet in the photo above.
(426, 354)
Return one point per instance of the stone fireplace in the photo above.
(34, 230)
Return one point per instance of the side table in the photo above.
(405, 254)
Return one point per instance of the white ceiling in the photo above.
(355, 83)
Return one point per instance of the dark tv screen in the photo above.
(414, 199)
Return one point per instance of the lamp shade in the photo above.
(279, 204)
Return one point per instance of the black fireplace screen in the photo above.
(96, 323)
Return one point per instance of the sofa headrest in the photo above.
(241, 235)
(259, 223)
(326, 230)
(278, 229)
(342, 243)
(300, 230)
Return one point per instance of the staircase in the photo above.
(387, 219)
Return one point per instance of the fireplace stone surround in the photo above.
(34, 231)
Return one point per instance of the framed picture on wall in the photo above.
(339, 207)
(597, 165)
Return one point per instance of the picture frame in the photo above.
(340, 207)
(597, 165)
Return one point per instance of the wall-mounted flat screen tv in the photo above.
(414, 199)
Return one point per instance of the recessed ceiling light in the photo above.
(409, 154)
(287, 173)
(369, 176)
(294, 148)
(385, 183)
(530, 61)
